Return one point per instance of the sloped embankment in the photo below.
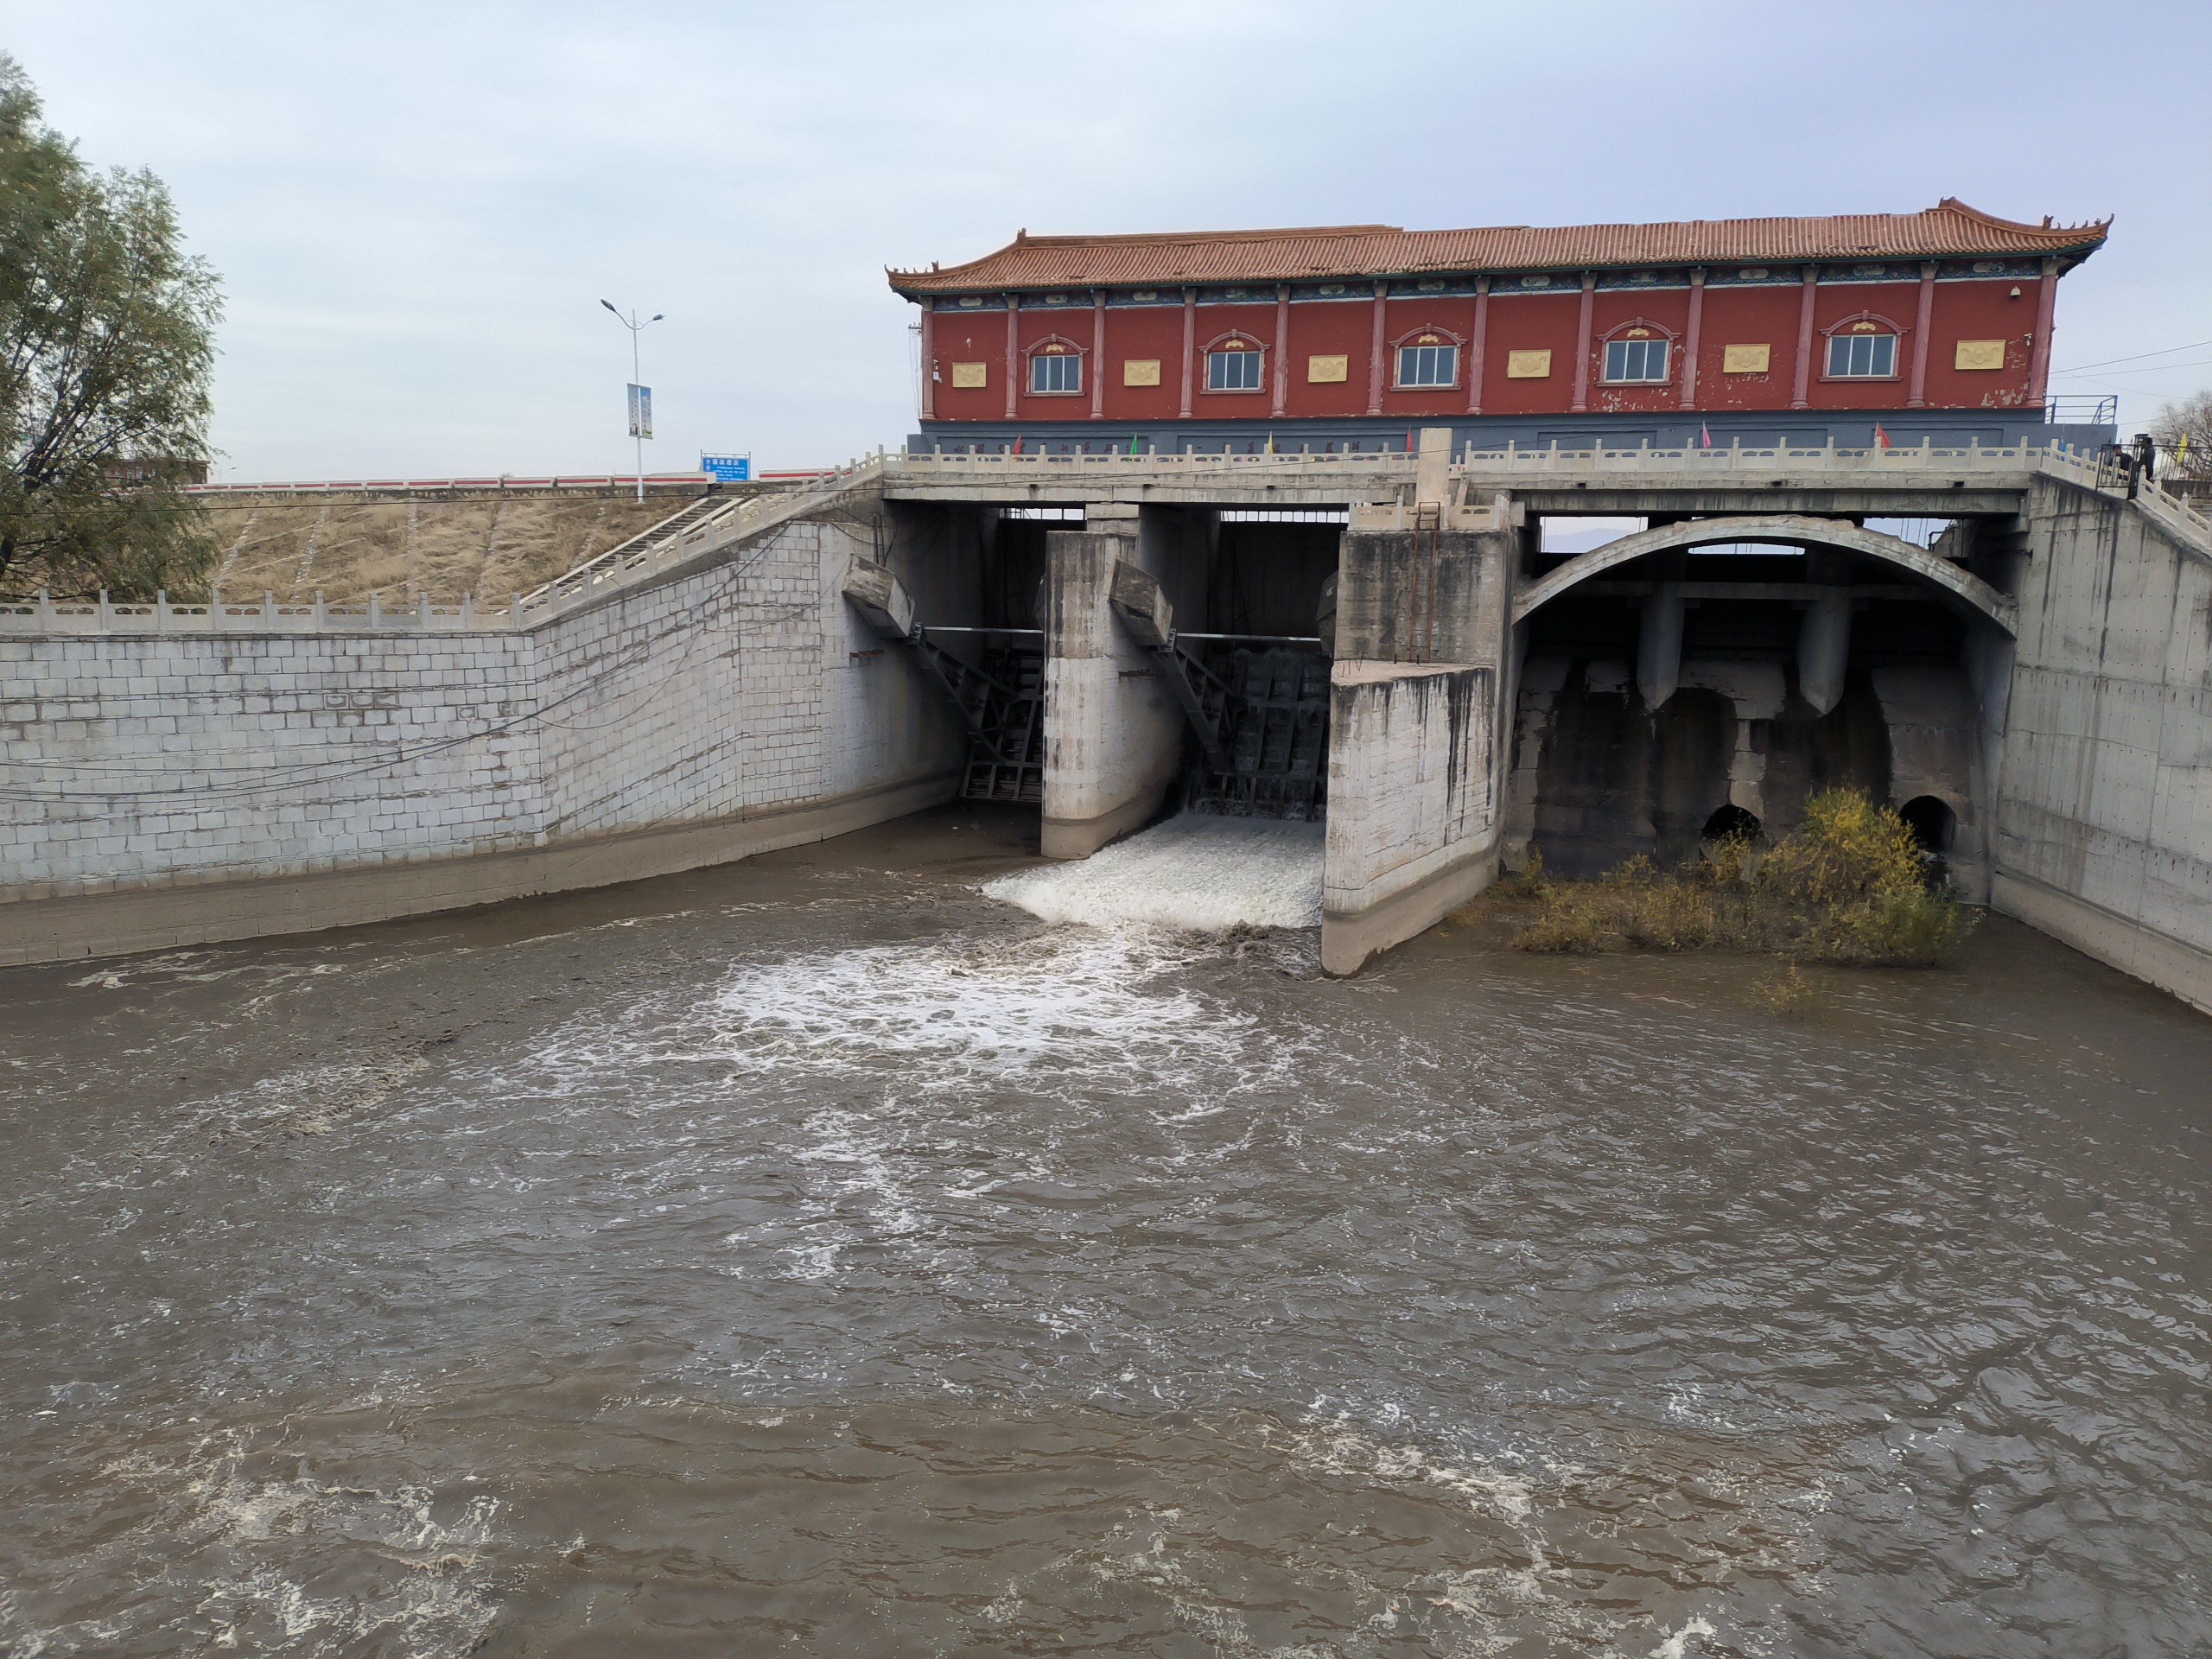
(487, 546)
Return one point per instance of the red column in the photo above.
(1190, 343)
(2039, 353)
(1582, 341)
(1098, 354)
(1375, 355)
(1691, 335)
(1474, 346)
(1282, 350)
(929, 359)
(1013, 349)
(1916, 397)
(1799, 396)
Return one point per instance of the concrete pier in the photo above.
(1416, 738)
(1113, 734)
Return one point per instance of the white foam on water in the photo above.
(1197, 872)
(1068, 1008)
(1677, 1645)
(946, 1013)
(229, 1559)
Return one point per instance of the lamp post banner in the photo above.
(641, 411)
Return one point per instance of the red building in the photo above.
(1933, 324)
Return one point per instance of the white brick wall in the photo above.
(136, 761)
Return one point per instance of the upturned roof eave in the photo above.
(2072, 244)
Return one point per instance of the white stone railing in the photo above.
(2169, 512)
(670, 544)
(1511, 461)
(45, 615)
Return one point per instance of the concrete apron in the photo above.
(122, 922)
(1113, 736)
(2123, 941)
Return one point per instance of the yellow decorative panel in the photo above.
(1745, 360)
(971, 374)
(1528, 365)
(1327, 371)
(1980, 354)
(1140, 371)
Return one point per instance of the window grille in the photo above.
(1235, 371)
(1428, 366)
(1862, 357)
(1056, 372)
(1632, 362)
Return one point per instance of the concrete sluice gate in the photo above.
(1109, 664)
(1453, 693)
(1691, 694)
(1382, 655)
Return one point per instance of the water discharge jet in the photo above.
(1197, 872)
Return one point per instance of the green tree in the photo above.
(106, 345)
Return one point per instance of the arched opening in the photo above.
(1732, 823)
(1932, 823)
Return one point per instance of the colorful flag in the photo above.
(1881, 438)
(1133, 444)
(1017, 443)
(1704, 435)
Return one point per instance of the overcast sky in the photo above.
(415, 210)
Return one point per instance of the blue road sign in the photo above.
(728, 469)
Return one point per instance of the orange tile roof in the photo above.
(1948, 228)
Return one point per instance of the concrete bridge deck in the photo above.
(1892, 482)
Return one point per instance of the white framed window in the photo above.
(1428, 366)
(1056, 372)
(1862, 357)
(1235, 368)
(1636, 362)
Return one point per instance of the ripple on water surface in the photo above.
(851, 1261)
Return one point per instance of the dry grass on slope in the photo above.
(485, 546)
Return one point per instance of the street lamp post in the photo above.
(637, 379)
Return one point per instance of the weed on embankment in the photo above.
(1847, 885)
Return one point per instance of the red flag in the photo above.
(1881, 438)
(1017, 443)
(1409, 440)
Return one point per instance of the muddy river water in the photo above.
(822, 1254)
